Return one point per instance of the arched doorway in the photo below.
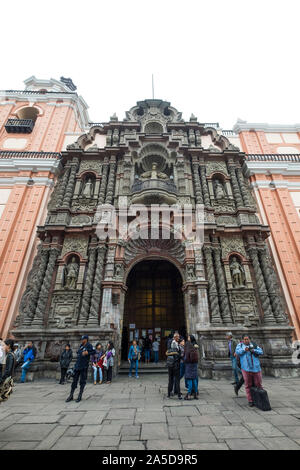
(154, 304)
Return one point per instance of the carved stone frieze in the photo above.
(233, 244)
(216, 166)
(173, 248)
(94, 165)
(64, 309)
(75, 242)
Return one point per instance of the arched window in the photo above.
(24, 123)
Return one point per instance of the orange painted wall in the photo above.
(49, 129)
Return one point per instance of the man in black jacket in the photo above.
(173, 364)
(81, 367)
(65, 360)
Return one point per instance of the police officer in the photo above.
(81, 367)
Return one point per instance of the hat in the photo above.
(84, 337)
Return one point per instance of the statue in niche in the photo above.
(219, 190)
(237, 273)
(72, 270)
(88, 188)
(154, 174)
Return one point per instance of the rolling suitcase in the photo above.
(260, 398)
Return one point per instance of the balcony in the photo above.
(19, 126)
(154, 191)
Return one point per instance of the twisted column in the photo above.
(260, 282)
(244, 189)
(88, 286)
(70, 186)
(204, 185)
(96, 294)
(36, 286)
(111, 183)
(45, 289)
(272, 287)
(223, 296)
(102, 191)
(62, 187)
(197, 185)
(235, 186)
(212, 288)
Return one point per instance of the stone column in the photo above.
(272, 287)
(96, 293)
(101, 198)
(62, 187)
(197, 185)
(212, 288)
(261, 286)
(35, 280)
(45, 289)
(204, 185)
(88, 286)
(235, 185)
(244, 189)
(70, 186)
(223, 296)
(111, 181)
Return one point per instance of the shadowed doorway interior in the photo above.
(153, 304)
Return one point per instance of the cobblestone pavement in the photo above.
(136, 414)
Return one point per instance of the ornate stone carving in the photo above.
(138, 247)
(96, 294)
(213, 167)
(223, 296)
(75, 242)
(81, 220)
(64, 309)
(244, 307)
(94, 165)
(233, 244)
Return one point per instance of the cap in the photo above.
(84, 337)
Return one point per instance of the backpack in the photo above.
(34, 350)
(193, 356)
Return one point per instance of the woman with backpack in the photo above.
(191, 367)
(108, 361)
(134, 356)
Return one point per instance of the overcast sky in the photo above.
(217, 59)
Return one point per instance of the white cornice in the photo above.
(248, 126)
(291, 185)
(25, 164)
(29, 181)
(279, 168)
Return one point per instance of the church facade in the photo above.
(115, 258)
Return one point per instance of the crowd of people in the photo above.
(182, 359)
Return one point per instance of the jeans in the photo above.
(147, 354)
(133, 364)
(235, 368)
(182, 372)
(192, 386)
(155, 357)
(25, 368)
(96, 369)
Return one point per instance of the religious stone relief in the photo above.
(244, 307)
(64, 309)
